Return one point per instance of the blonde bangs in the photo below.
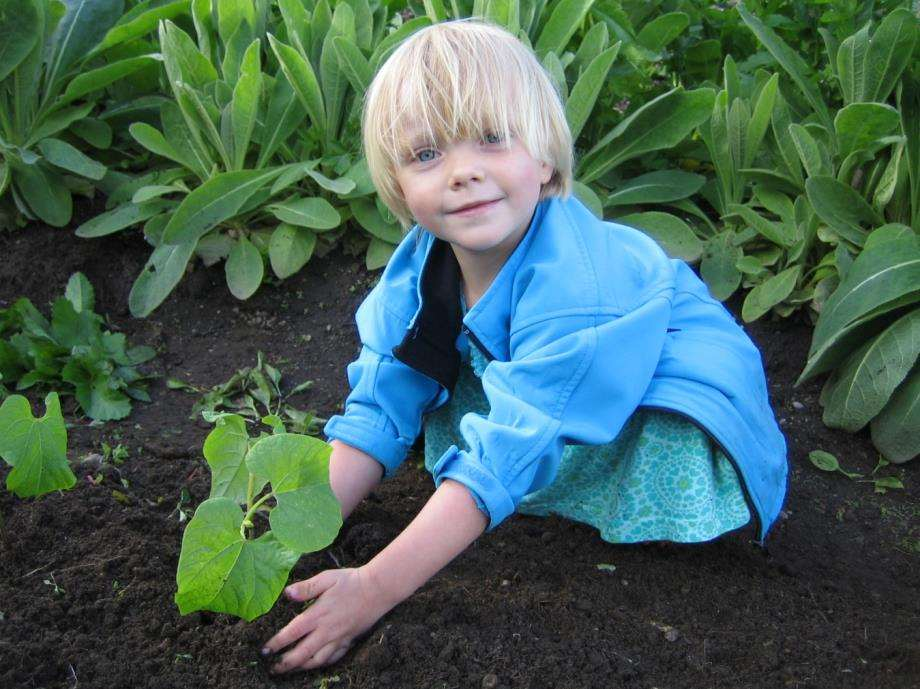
(461, 80)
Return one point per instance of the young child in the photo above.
(560, 363)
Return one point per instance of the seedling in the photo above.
(825, 461)
(223, 567)
(252, 392)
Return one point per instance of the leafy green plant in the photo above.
(72, 352)
(36, 448)
(825, 461)
(223, 567)
(254, 392)
(57, 62)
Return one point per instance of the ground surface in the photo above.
(87, 580)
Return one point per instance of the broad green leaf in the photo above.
(888, 181)
(79, 292)
(717, 268)
(781, 234)
(367, 215)
(183, 61)
(225, 450)
(160, 275)
(99, 394)
(769, 293)
(435, 10)
(217, 200)
(593, 43)
(909, 106)
(302, 79)
(20, 25)
(44, 192)
(307, 516)
(790, 61)
(141, 24)
(155, 191)
(661, 123)
(201, 117)
(244, 269)
(587, 196)
(859, 124)
(779, 123)
(777, 203)
(245, 104)
(563, 21)
(378, 254)
(656, 187)
(61, 154)
(333, 78)
(662, 30)
(84, 24)
(188, 148)
(851, 65)
(580, 103)
(95, 132)
(353, 64)
(314, 212)
(99, 78)
(285, 114)
(760, 120)
(56, 121)
(125, 215)
(672, 233)
(36, 448)
(824, 461)
(858, 390)
(221, 571)
(391, 41)
(813, 154)
(776, 181)
(841, 207)
(289, 249)
(882, 277)
(896, 430)
(890, 51)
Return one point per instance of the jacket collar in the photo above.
(430, 344)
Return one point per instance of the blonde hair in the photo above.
(459, 80)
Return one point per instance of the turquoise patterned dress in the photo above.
(661, 479)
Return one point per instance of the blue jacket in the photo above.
(586, 321)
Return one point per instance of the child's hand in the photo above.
(348, 603)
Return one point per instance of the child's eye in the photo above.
(492, 138)
(425, 155)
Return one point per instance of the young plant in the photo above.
(72, 349)
(36, 448)
(223, 565)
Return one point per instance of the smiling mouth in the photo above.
(473, 208)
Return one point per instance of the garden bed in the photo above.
(87, 576)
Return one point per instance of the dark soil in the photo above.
(87, 577)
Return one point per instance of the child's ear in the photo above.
(546, 172)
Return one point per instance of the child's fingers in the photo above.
(296, 629)
(312, 587)
(327, 655)
(304, 655)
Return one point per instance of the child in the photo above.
(561, 363)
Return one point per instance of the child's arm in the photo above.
(349, 601)
(353, 474)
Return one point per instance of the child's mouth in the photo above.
(477, 208)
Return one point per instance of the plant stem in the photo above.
(247, 518)
(249, 489)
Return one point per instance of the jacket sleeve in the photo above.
(383, 411)
(578, 380)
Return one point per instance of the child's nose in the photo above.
(466, 167)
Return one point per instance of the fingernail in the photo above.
(290, 593)
(266, 651)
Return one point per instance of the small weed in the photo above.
(325, 682)
(116, 455)
(182, 657)
(55, 589)
(825, 461)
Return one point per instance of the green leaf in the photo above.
(307, 516)
(225, 450)
(780, 234)
(285, 114)
(63, 155)
(813, 154)
(313, 212)
(221, 571)
(245, 104)
(391, 41)
(378, 254)
(717, 268)
(302, 79)
(859, 124)
(672, 233)
(244, 269)
(289, 249)
(79, 292)
(151, 139)
(896, 430)
(587, 196)
(563, 21)
(44, 192)
(581, 101)
(858, 390)
(20, 25)
(125, 215)
(140, 24)
(841, 207)
(769, 293)
(332, 76)
(217, 200)
(760, 120)
(99, 393)
(367, 215)
(160, 275)
(36, 448)
(662, 30)
(185, 64)
(356, 67)
(95, 132)
(656, 187)
(883, 276)
(890, 51)
(790, 61)
(661, 123)
(99, 78)
(824, 461)
(851, 65)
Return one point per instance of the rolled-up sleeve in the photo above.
(570, 379)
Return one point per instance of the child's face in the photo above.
(441, 183)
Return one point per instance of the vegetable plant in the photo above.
(72, 352)
(224, 566)
(36, 448)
